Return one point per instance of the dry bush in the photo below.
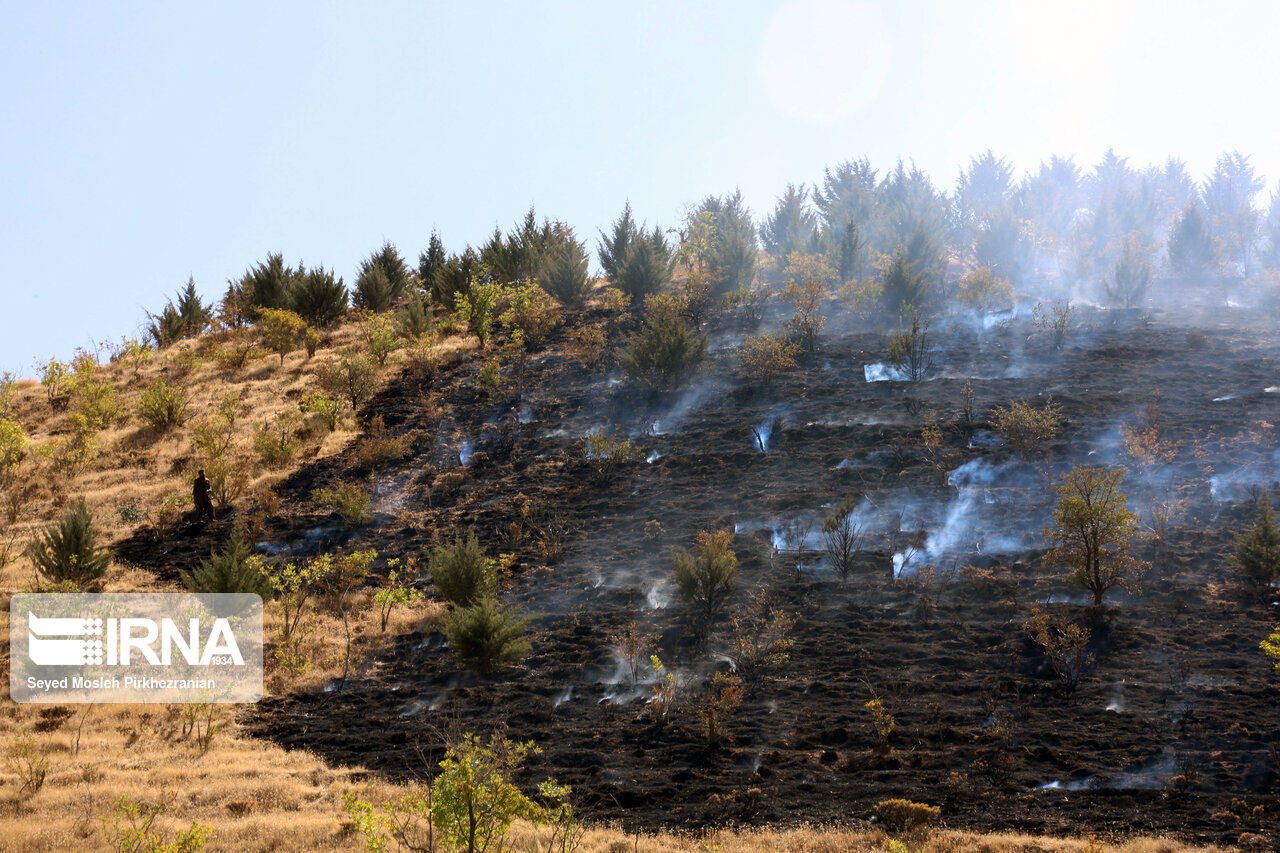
(907, 816)
(764, 356)
(1024, 427)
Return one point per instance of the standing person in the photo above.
(200, 494)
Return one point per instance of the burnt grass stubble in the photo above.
(1172, 730)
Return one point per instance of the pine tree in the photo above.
(67, 552)
(229, 570)
(267, 285)
(434, 258)
(1257, 550)
(647, 267)
(319, 298)
(852, 247)
(612, 249)
(383, 280)
(564, 273)
(196, 315)
(904, 287)
(1190, 243)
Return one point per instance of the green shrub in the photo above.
(163, 406)
(13, 447)
(475, 306)
(706, 579)
(281, 330)
(462, 573)
(487, 636)
(532, 311)
(1065, 644)
(354, 377)
(131, 828)
(666, 350)
(93, 398)
(415, 318)
(230, 570)
(606, 453)
(67, 552)
(378, 332)
(347, 499)
(276, 443)
(55, 376)
(1256, 552)
(328, 409)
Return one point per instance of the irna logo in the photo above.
(85, 641)
(135, 647)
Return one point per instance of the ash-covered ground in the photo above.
(1174, 728)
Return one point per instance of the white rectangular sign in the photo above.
(135, 647)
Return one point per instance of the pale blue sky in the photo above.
(141, 143)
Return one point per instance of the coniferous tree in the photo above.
(564, 273)
(1130, 276)
(318, 297)
(1257, 550)
(1190, 243)
(166, 327)
(268, 284)
(196, 315)
(415, 317)
(667, 349)
(904, 287)
(454, 276)
(647, 266)
(790, 228)
(1270, 231)
(383, 280)
(229, 570)
(612, 248)
(852, 248)
(433, 259)
(728, 247)
(67, 552)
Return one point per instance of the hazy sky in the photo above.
(142, 143)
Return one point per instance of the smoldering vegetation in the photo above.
(1125, 315)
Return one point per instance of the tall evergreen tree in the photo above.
(383, 280)
(791, 226)
(905, 288)
(196, 314)
(852, 249)
(318, 297)
(612, 249)
(1228, 198)
(564, 273)
(431, 260)
(647, 267)
(267, 285)
(1269, 252)
(1191, 248)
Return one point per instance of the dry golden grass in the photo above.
(253, 794)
